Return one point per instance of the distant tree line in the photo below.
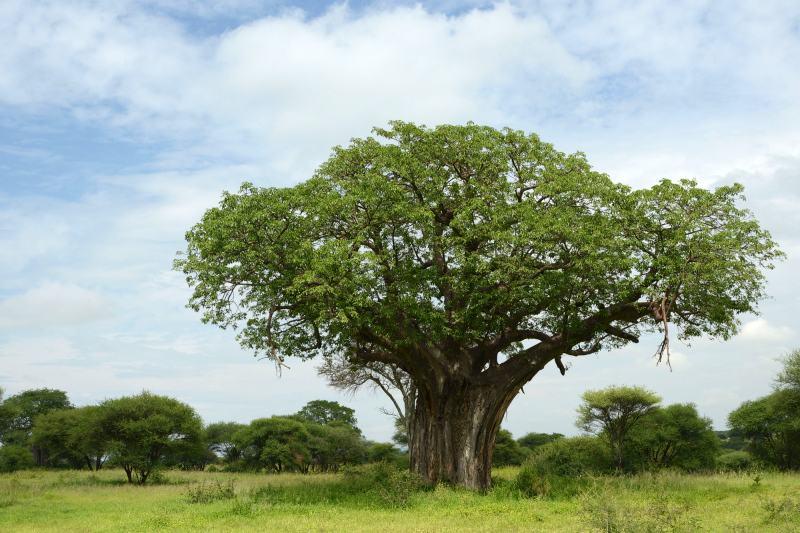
(626, 429)
(145, 433)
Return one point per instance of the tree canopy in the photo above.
(23, 408)
(675, 436)
(324, 412)
(72, 434)
(144, 428)
(612, 412)
(470, 258)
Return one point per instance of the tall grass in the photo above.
(384, 499)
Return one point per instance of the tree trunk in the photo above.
(454, 429)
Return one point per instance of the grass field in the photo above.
(201, 501)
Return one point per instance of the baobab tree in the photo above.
(470, 258)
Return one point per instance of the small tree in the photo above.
(142, 429)
(675, 436)
(789, 376)
(382, 451)
(772, 425)
(335, 444)
(612, 412)
(507, 451)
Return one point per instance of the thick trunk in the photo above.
(455, 424)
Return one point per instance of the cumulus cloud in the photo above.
(53, 304)
(647, 90)
(759, 330)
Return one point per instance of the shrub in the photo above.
(394, 487)
(560, 468)
(13, 458)
(735, 461)
(571, 457)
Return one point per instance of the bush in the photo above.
(394, 487)
(210, 492)
(571, 457)
(735, 461)
(560, 468)
(13, 458)
(403, 462)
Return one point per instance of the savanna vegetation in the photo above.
(639, 466)
(444, 267)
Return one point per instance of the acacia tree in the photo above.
(142, 429)
(612, 412)
(470, 258)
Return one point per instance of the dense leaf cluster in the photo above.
(451, 246)
(771, 424)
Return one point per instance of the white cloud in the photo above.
(53, 304)
(759, 330)
(647, 90)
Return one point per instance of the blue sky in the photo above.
(122, 121)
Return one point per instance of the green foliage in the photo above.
(14, 457)
(7, 412)
(145, 428)
(612, 412)
(73, 435)
(534, 440)
(276, 443)
(324, 412)
(219, 439)
(382, 451)
(477, 240)
(21, 410)
(731, 440)
(789, 376)
(772, 426)
(333, 445)
(210, 492)
(734, 461)
(507, 451)
(395, 488)
(573, 457)
(309, 269)
(400, 436)
(674, 436)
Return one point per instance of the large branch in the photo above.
(521, 368)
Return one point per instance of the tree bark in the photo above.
(455, 424)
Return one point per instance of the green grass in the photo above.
(198, 501)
